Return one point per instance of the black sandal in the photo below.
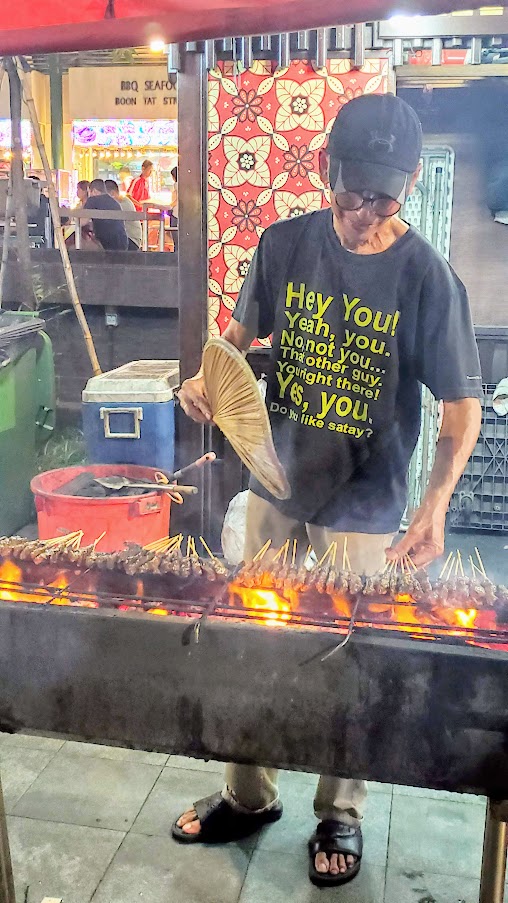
(335, 837)
(220, 823)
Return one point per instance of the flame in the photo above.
(466, 618)
(265, 601)
(10, 573)
(53, 594)
(272, 606)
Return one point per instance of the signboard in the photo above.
(118, 92)
(123, 133)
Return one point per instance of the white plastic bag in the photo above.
(233, 529)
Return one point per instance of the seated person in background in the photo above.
(110, 233)
(139, 189)
(83, 193)
(132, 227)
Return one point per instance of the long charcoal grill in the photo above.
(424, 705)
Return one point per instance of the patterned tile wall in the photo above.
(265, 129)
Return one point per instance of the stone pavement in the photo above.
(91, 823)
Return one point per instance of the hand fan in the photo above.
(240, 413)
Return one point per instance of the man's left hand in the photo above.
(424, 538)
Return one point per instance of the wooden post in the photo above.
(59, 236)
(56, 110)
(6, 239)
(192, 259)
(19, 198)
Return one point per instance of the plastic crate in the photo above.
(480, 501)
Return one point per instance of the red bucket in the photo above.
(140, 519)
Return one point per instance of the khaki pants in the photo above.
(253, 788)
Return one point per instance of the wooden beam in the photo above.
(447, 76)
(192, 259)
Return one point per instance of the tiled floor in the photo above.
(91, 823)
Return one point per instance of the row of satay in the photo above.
(394, 584)
(398, 586)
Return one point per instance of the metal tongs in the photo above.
(161, 484)
(164, 482)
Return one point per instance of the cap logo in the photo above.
(381, 143)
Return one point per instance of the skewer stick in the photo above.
(480, 562)
(325, 556)
(450, 569)
(61, 540)
(178, 545)
(97, 541)
(474, 568)
(207, 549)
(344, 554)
(334, 553)
(293, 554)
(282, 551)
(445, 566)
(348, 563)
(411, 562)
(309, 550)
(263, 550)
(459, 559)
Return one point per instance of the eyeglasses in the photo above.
(382, 206)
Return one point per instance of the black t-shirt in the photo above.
(353, 337)
(110, 232)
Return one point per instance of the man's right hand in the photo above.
(192, 397)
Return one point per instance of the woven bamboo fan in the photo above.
(240, 413)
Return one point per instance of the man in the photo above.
(132, 227)
(139, 189)
(110, 232)
(362, 309)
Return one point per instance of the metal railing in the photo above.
(76, 217)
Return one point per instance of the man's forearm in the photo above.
(457, 439)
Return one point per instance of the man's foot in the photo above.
(337, 864)
(335, 851)
(213, 820)
(189, 822)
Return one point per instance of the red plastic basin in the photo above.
(137, 518)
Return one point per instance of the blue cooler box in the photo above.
(129, 414)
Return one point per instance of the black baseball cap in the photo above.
(375, 145)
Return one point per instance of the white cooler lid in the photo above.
(135, 382)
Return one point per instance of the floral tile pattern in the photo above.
(266, 127)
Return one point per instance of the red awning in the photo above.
(42, 26)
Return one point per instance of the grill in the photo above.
(207, 666)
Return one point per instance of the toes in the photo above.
(187, 818)
(335, 864)
(192, 827)
(321, 863)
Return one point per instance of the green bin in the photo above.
(27, 406)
